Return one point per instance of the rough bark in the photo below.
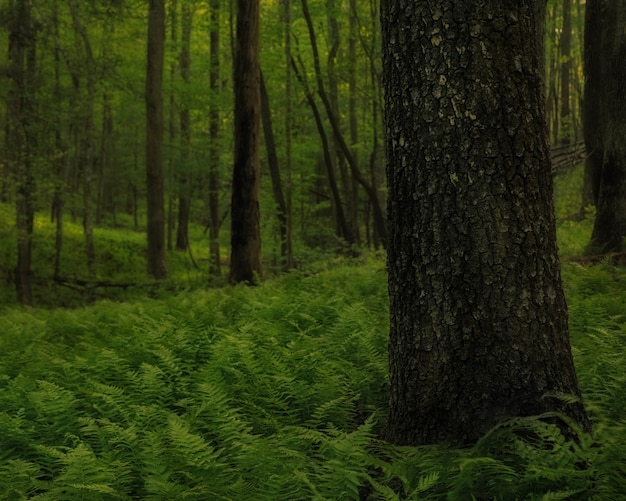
(479, 327)
(154, 140)
(245, 258)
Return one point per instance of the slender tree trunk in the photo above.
(374, 69)
(342, 222)
(215, 265)
(62, 158)
(610, 223)
(337, 158)
(184, 185)
(352, 116)
(106, 196)
(245, 258)
(592, 101)
(379, 219)
(479, 329)
(566, 72)
(277, 185)
(20, 105)
(288, 126)
(552, 98)
(154, 140)
(87, 151)
(173, 121)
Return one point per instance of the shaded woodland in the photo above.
(76, 147)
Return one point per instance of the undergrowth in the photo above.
(277, 392)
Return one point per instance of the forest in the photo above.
(306, 249)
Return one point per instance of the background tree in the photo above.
(215, 265)
(85, 134)
(20, 137)
(566, 73)
(184, 184)
(479, 328)
(563, 47)
(245, 258)
(592, 102)
(154, 140)
(610, 222)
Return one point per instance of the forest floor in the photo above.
(278, 392)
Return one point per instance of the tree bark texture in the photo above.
(245, 258)
(610, 223)
(154, 140)
(479, 327)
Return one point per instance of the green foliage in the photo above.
(278, 392)
(228, 394)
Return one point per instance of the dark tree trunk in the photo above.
(592, 100)
(154, 140)
(86, 151)
(370, 190)
(184, 186)
(479, 328)
(343, 229)
(245, 258)
(286, 12)
(352, 114)
(215, 265)
(566, 73)
(173, 122)
(610, 223)
(61, 162)
(20, 137)
(286, 255)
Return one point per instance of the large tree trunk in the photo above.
(245, 258)
(610, 223)
(479, 327)
(154, 140)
